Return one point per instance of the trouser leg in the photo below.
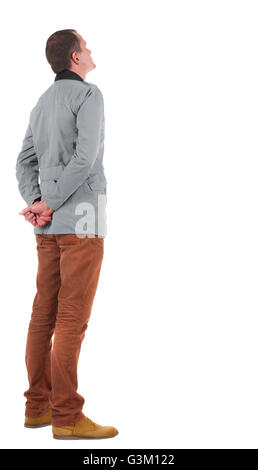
(80, 265)
(41, 327)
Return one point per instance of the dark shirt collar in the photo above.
(68, 74)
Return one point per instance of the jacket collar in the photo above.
(68, 74)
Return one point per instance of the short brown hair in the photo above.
(59, 47)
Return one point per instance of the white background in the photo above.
(170, 354)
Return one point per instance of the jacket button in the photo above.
(55, 181)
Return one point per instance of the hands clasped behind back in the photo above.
(38, 213)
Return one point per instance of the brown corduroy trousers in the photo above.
(67, 278)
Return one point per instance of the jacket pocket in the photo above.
(49, 177)
(96, 183)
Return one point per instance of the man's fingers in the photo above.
(32, 208)
(42, 222)
(45, 218)
(29, 216)
(32, 215)
(25, 210)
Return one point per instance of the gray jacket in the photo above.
(61, 160)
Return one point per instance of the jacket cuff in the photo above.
(32, 198)
(38, 199)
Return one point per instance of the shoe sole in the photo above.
(71, 438)
(36, 425)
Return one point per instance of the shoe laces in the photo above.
(89, 420)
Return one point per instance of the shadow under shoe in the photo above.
(84, 429)
(40, 421)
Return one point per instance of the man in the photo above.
(63, 148)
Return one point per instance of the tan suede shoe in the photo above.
(84, 429)
(39, 422)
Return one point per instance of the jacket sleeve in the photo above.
(27, 169)
(89, 122)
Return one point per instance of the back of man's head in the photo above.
(59, 47)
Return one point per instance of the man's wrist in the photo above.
(49, 208)
(44, 202)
